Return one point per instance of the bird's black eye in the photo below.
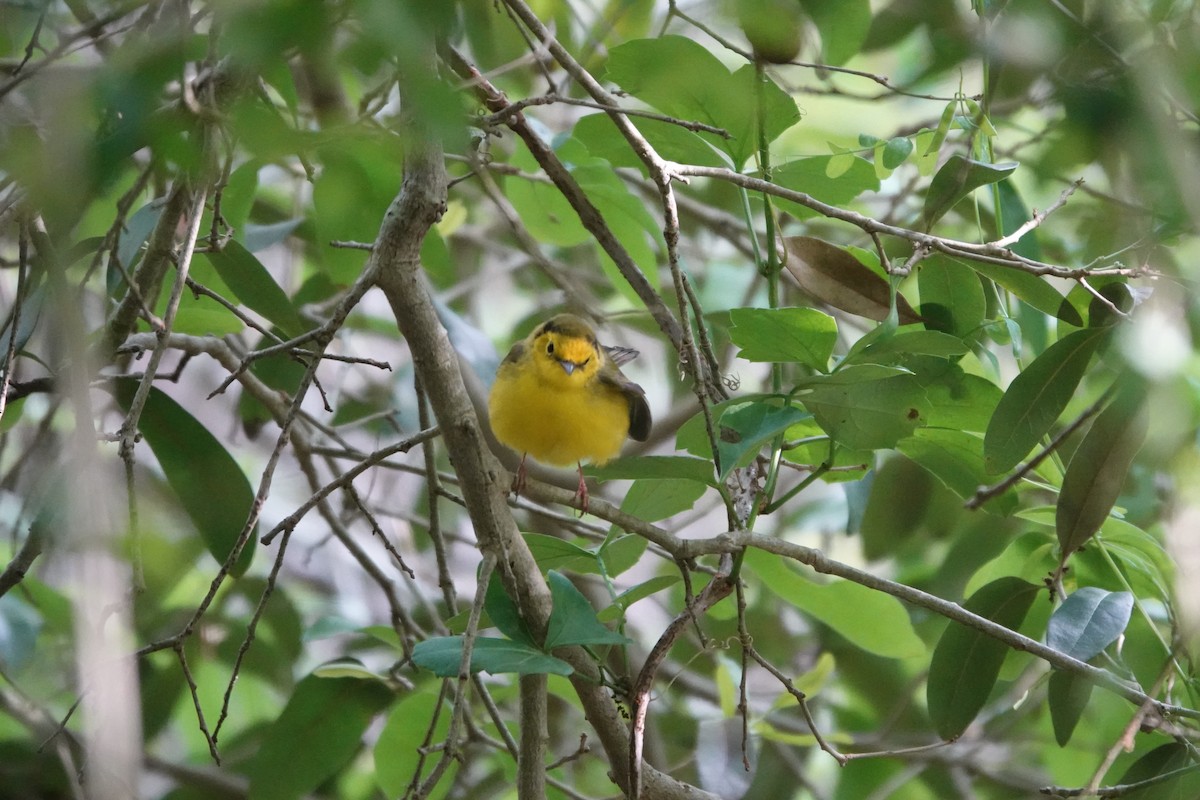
(550, 348)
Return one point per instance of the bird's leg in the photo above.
(582, 493)
(518, 484)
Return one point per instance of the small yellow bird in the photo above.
(560, 396)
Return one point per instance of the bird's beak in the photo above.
(568, 366)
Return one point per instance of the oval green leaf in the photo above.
(870, 620)
(1098, 469)
(1036, 398)
(801, 335)
(442, 655)
(252, 283)
(319, 731)
(1088, 621)
(952, 298)
(1067, 694)
(956, 179)
(966, 662)
(198, 469)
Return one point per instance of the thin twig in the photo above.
(717, 589)
(1039, 216)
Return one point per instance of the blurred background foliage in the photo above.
(881, 367)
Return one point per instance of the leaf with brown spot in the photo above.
(835, 277)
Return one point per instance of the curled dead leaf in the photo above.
(835, 277)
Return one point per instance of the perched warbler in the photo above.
(560, 397)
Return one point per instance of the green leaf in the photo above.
(834, 276)
(198, 469)
(1099, 467)
(834, 180)
(1088, 621)
(400, 750)
(1067, 694)
(619, 554)
(1030, 289)
(1029, 556)
(655, 467)
(503, 613)
(966, 662)
(552, 552)
(680, 78)
(1163, 760)
(802, 335)
(743, 430)
(868, 415)
(956, 179)
(345, 668)
(652, 499)
(928, 158)
(597, 133)
(951, 297)
(885, 349)
(626, 215)
(635, 593)
(250, 282)
(318, 732)
(958, 399)
(885, 524)
(870, 620)
(573, 620)
(843, 25)
(1014, 214)
(1036, 398)
(954, 457)
(442, 655)
(854, 374)
(897, 151)
(541, 206)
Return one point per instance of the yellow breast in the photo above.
(557, 421)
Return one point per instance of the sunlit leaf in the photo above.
(635, 593)
(870, 620)
(955, 457)
(679, 77)
(399, 750)
(660, 467)
(834, 180)
(553, 552)
(803, 335)
(956, 179)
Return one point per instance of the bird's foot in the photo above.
(518, 484)
(581, 494)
